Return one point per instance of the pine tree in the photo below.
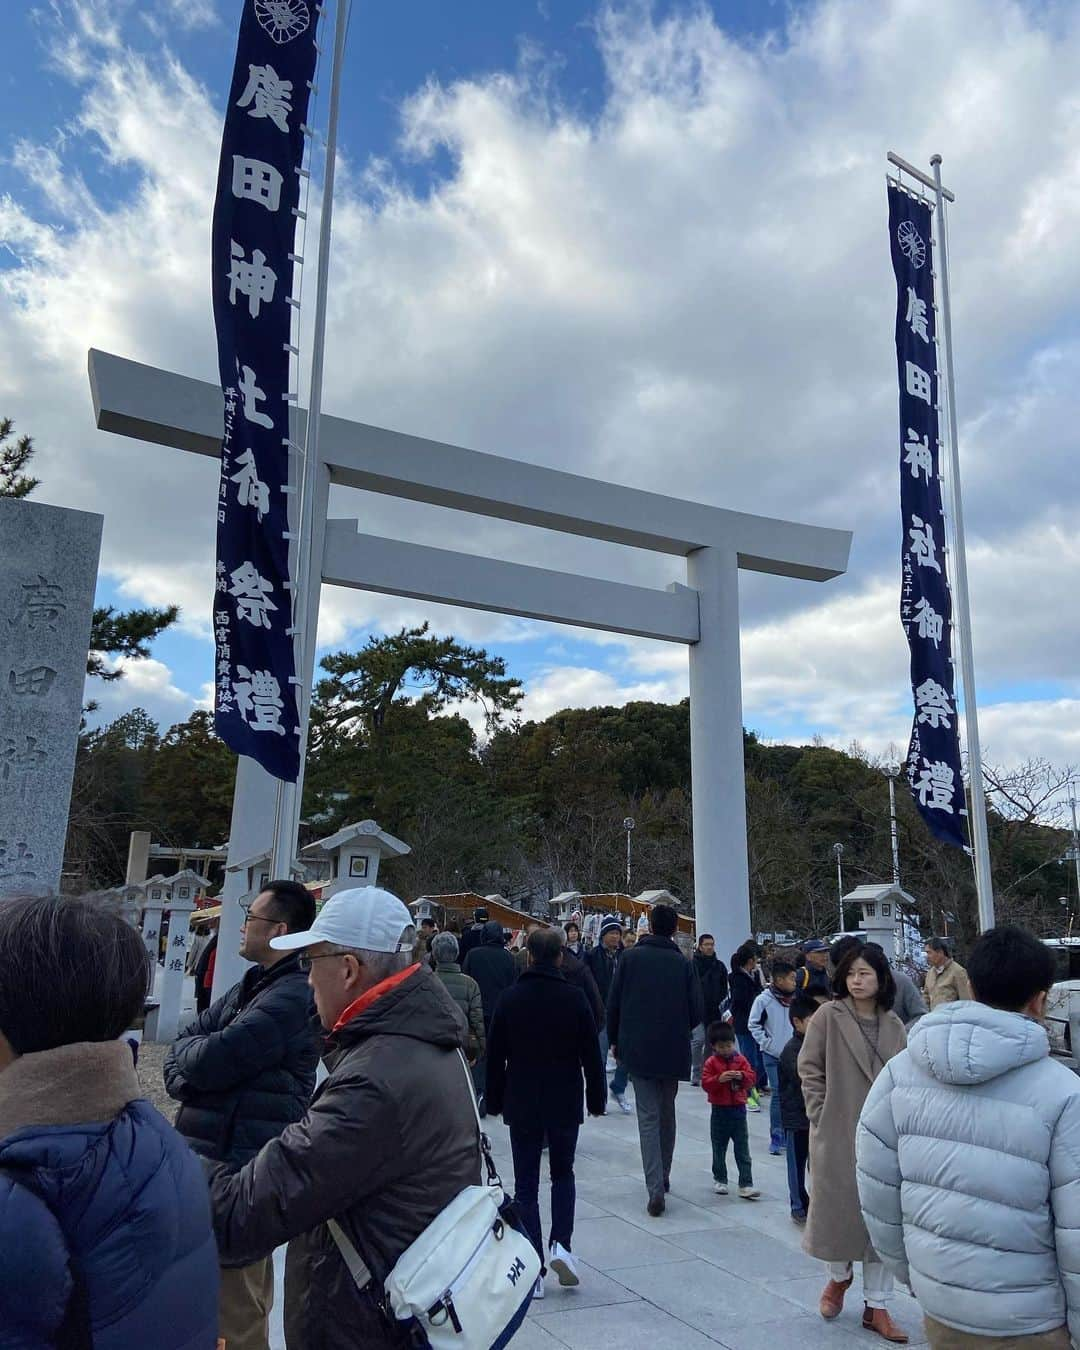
(127, 633)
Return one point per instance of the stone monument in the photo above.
(48, 572)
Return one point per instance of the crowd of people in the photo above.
(932, 1143)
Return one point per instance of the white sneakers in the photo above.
(624, 1105)
(749, 1193)
(720, 1187)
(538, 1288)
(563, 1264)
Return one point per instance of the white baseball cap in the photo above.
(366, 917)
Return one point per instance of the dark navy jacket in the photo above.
(104, 1227)
(246, 1067)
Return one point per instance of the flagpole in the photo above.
(308, 567)
(979, 836)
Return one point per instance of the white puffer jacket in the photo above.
(968, 1161)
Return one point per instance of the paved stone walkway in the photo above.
(713, 1270)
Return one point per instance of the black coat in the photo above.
(390, 1139)
(472, 937)
(810, 980)
(543, 1040)
(743, 989)
(603, 965)
(712, 973)
(492, 967)
(245, 1068)
(576, 972)
(792, 1107)
(655, 1004)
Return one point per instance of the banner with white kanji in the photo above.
(255, 216)
(933, 760)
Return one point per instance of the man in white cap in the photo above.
(389, 1140)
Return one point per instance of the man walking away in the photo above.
(603, 961)
(389, 1141)
(967, 1152)
(814, 978)
(946, 980)
(243, 1071)
(770, 1026)
(473, 936)
(712, 973)
(462, 989)
(654, 1006)
(493, 969)
(793, 1117)
(543, 1048)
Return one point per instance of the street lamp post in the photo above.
(628, 826)
(892, 773)
(1075, 840)
(838, 851)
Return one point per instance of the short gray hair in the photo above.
(445, 948)
(384, 964)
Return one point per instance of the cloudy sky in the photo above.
(642, 242)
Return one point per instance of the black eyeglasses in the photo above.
(260, 918)
(304, 962)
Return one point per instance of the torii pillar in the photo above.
(154, 405)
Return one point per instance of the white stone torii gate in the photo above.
(154, 405)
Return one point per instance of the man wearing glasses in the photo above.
(243, 1071)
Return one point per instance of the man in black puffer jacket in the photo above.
(243, 1071)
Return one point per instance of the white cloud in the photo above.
(689, 293)
(145, 684)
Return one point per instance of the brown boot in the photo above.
(832, 1300)
(878, 1319)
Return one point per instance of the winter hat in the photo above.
(610, 925)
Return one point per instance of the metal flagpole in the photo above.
(891, 773)
(287, 822)
(962, 619)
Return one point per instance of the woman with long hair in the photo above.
(848, 1043)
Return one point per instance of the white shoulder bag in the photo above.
(467, 1281)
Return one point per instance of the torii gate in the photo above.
(168, 409)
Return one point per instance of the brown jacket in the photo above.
(947, 985)
(836, 1068)
(390, 1139)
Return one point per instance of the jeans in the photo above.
(728, 1124)
(655, 1100)
(772, 1072)
(750, 1050)
(620, 1077)
(526, 1145)
(798, 1151)
(697, 1053)
(877, 1282)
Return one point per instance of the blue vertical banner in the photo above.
(933, 759)
(254, 232)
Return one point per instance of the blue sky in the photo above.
(641, 241)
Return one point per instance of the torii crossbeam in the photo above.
(168, 409)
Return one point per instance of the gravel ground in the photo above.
(151, 1059)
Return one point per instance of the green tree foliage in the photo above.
(112, 633)
(533, 808)
(14, 457)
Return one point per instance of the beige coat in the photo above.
(947, 985)
(836, 1068)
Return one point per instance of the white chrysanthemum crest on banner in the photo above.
(911, 243)
(283, 20)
